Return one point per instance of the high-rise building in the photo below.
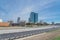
(53, 23)
(18, 20)
(33, 17)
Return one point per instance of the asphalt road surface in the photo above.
(22, 34)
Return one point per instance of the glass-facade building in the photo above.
(33, 17)
(18, 20)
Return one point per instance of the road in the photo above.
(21, 33)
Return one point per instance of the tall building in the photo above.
(33, 17)
(53, 23)
(18, 20)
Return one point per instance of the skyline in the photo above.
(48, 10)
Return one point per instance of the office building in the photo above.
(33, 17)
(53, 23)
(18, 20)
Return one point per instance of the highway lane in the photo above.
(16, 35)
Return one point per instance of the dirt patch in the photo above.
(45, 36)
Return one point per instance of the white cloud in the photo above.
(47, 17)
(25, 11)
(43, 4)
(1, 20)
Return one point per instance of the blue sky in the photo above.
(48, 10)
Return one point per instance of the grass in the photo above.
(56, 38)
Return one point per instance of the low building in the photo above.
(11, 22)
(4, 24)
(22, 23)
(15, 24)
(57, 24)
